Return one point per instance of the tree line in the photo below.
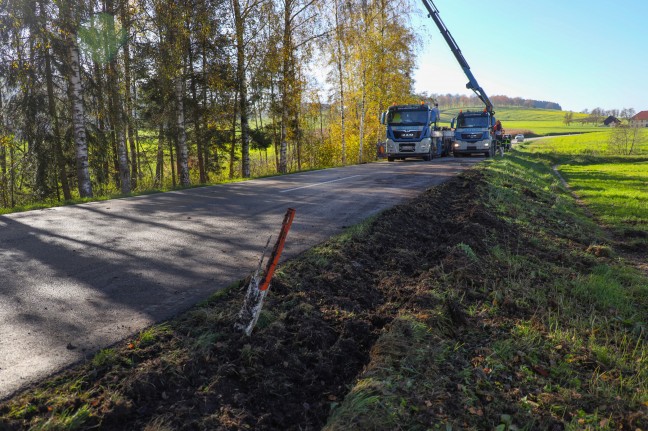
(113, 96)
(598, 115)
(462, 100)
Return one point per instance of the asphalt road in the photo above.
(79, 278)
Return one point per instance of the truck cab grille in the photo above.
(471, 136)
(407, 134)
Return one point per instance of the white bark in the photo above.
(183, 151)
(78, 118)
(124, 173)
(340, 54)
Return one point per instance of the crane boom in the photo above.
(472, 82)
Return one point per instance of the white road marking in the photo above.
(319, 184)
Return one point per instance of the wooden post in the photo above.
(258, 287)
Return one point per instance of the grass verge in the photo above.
(541, 333)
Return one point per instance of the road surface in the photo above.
(79, 278)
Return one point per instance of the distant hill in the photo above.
(459, 100)
(528, 121)
(503, 101)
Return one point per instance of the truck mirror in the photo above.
(382, 117)
(452, 123)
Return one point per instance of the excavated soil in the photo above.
(320, 320)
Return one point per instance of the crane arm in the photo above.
(472, 82)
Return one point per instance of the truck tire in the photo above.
(390, 159)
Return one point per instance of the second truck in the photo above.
(473, 129)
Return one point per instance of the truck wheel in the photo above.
(487, 154)
(390, 159)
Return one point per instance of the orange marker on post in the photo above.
(278, 248)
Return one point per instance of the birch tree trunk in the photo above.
(239, 27)
(120, 135)
(232, 154)
(205, 104)
(116, 111)
(128, 98)
(362, 116)
(286, 85)
(78, 119)
(183, 151)
(363, 83)
(196, 117)
(340, 68)
(3, 158)
(274, 125)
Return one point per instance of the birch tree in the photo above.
(117, 116)
(68, 31)
(126, 18)
(339, 58)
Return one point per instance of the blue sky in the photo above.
(581, 54)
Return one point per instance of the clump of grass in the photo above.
(105, 358)
(68, 420)
(468, 251)
(612, 290)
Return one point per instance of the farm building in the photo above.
(611, 121)
(640, 120)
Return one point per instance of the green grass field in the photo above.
(617, 192)
(535, 122)
(590, 144)
(613, 186)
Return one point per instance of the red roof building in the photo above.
(640, 120)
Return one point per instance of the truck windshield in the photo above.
(407, 117)
(470, 121)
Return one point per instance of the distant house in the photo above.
(640, 120)
(611, 121)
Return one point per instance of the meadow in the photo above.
(613, 186)
(531, 122)
(617, 192)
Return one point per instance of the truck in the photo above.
(412, 131)
(473, 134)
(473, 130)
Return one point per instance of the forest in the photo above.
(459, 100)
(112, 97)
